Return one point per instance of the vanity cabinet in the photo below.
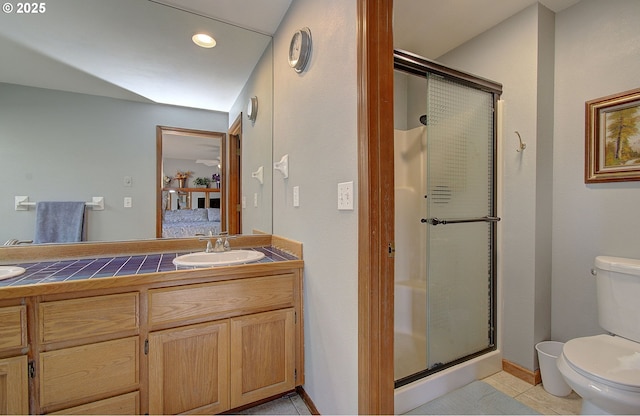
(188, 368)
(247, 353)
(198, 341)
(13, 329)
(262, 356)
(14, 387)
(89, 352)
(14, 391)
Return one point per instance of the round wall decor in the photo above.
(300, 49)
(252, 109)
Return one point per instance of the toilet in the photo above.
(605, 369)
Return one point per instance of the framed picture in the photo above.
(612, 142)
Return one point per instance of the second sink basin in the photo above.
(10, 271)
(226, 258)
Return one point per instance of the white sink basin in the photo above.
(225, 258)
(10, 271)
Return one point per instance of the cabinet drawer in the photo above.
(126, 404)
(209, 301)
(65, 320)
(13, 327)
(90, 372)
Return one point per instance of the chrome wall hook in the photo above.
(522, 145)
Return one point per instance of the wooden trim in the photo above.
(375, 206)
(287, 245)
(159, 184)
(160, 131)
(24, 253)
(19, 254)
(234, 141)
(307, 400)
(531, 377)
(152, 280)
(203, 190)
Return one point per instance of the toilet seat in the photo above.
(611, 360)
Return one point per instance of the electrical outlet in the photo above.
(345, 196)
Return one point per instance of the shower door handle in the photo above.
(436, 221)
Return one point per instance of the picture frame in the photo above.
(612, 138)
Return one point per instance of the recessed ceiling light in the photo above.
(203, 40)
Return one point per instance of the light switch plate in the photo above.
(296, 196)
(345, 196)
(128, 202)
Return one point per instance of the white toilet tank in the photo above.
(618, 289)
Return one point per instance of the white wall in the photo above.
(65, 146)
(597, 54)
(509, 53)
(593, 50)
(257, 145)
(315, 123)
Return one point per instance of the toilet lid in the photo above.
(612, 359)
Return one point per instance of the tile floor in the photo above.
(533, 396)
(290, 404)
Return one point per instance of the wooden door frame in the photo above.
(375, 207)
(160, 131)
(234, 173)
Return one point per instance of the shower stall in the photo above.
(445, 221)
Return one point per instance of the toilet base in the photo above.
(589, 408)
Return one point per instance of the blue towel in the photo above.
(59, 222)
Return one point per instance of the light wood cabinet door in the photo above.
(262, 356)
(14, 388)
(83, 374)
(189, 369)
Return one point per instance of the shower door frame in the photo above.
(416, 65)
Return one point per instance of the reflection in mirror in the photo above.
(190, 171)
(79, 114)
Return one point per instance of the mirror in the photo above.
(190, 166)
(79, 113)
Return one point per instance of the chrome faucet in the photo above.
(221, 244)
(210, 247)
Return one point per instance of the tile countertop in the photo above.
(73, 269)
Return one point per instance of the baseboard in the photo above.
(307, 400)
(531, 377)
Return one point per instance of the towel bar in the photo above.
(22, 203)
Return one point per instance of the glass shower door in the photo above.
(460, 221)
